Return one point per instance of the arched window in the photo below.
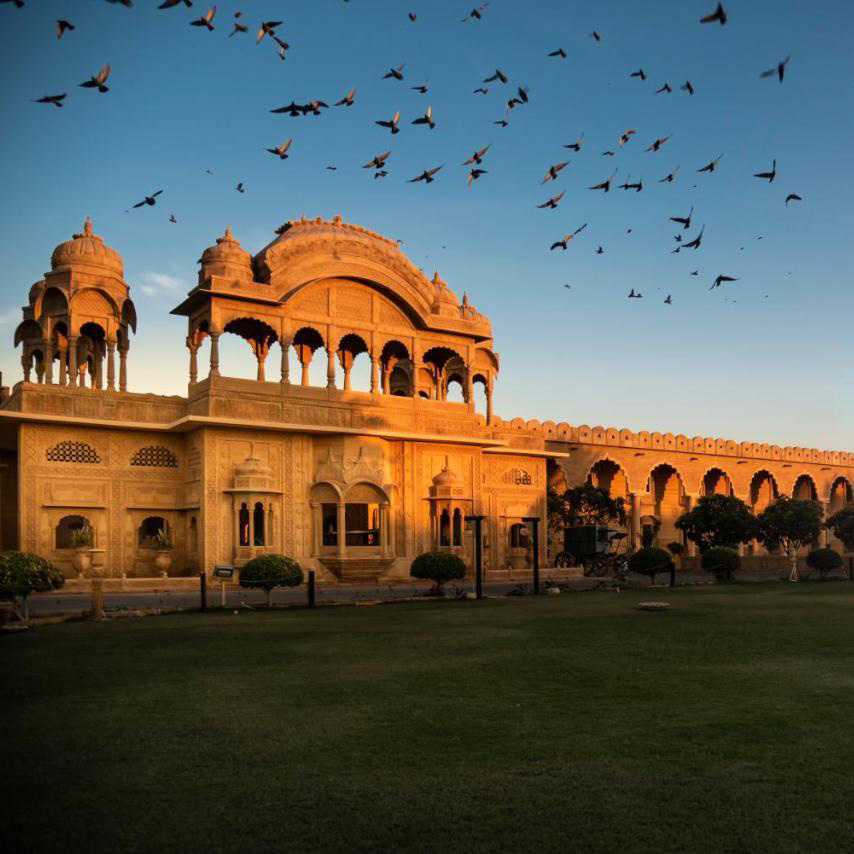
(243, 521)
(445, 528)
(155, 456)
(72, 452)
(258, 522)
(150, 529)
(518, 536)
(329, 513)
(66, 528)
(458, 527)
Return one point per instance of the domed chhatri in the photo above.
(87, 248)
(447, 477)
(226, 258)
(252, 473)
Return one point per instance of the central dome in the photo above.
(89, 249)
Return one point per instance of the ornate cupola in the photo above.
(226, 258)
(444, 299)
(78, 316)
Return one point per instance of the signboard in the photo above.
(223, 571)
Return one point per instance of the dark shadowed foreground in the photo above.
(559, 723)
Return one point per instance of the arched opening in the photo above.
(716, 482)
(258, 335)
(519, 536)
(479, 391)
(149, 532)
(840, 494)
(363, 516)
(456, 389)
(307, 342)
(607, 475)
(667, 496)
(67, 529)
(445, 528)
(763, 490)
(258, 524)
(350, 347)
(243, 524)
(436, 358)
(399, 383)
(395, 355)
(458, 527)
(804, 489)
(93, 343)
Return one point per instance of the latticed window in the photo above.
(72, 452)
(522, 477)
(156, 456)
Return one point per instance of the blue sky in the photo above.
(766, 358)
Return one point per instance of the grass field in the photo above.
(560, 723)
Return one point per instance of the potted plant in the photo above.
(81, 542)
(163, 558)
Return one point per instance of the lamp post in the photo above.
(535, 524)
(478, 578)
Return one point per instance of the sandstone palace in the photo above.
(353, 484)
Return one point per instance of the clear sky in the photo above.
(766, 358)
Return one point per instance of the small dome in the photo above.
(446, 477)
(443, 294)
(227, 258)
(252, 467)
(87, 248)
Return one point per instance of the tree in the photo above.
(824, 560)
(722, 561)
(584, 505)
(649, 561)
(268, 571)
(791, 523)
(841, 525)
(22, 573)
(718, 520)
(438, 567)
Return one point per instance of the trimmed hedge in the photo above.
(650, 561)
(824, 560)
(723, 562)
(268, 571)
(438, 567)
(22, 573)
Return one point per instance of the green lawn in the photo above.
(560, 723)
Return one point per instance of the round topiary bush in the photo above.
(438, 567)
(723, 562)
(268, 571)
(650, 561)
(824, 560)
(22, 573)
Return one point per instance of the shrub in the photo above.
(841, 525)
(438, 567)
(268, 571)
(723, 562)
(649, 561)
(718, 520)
(824, 560)
(22, 573)
(81, 538)
(792, 523)
(675, 549)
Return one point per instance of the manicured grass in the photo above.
(560, 723)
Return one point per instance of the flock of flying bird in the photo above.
(268, 30)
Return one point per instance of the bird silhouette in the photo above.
(63, 26)
(172, 218)
(381, 173)
(687, 87)
(56, 100)
(711, 165)
(718, 15)
(422, 88)
(347, 100)
(695, 243)
(396, 73)
(576, 146)
(206, 20)
(669, 300)
(238, 27)
(664, 88)
(559, 52)
(553, 201)
(567, 237)
(596, 36)
(639, 73)
(499, 75)
(412, 16)
(282, 150)
(684, 221)
(267, 28)
(658, 143)
(608, 153)
(551, 175)
(475, 174)
(625, 136)
(477, 157)
(98, 81)
(600, 250)
(392, 124)
(481, 90)
(149, 200)
(792, 197)
(669, 177)
(426, 119)
(239, 187)
(293, 109)
(604, 185)
(780, 70)
(769, 176)
(168, 4)
(717, 282)
(378, 162)
(627, 185)
(476, 13)
(695, 273)
(426, 176)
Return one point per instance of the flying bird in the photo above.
(780, 70)
(695, 273)
(595, 36)
(721, 278)
(664, 88)
(347, 100)
(625, 136)
(552, 202)
(684, 221)
(477, 157)
(426, 176)
(476, 13)
(792, 197)
(567, 237)
(206, 20)
(637, 187)
(687, 87)
(669, 300)
(695, 243)
(378, 162)
(149, 200)
(426, 119)
(639, 73)
(62, 26)
(99, 80)
(604, 185)
(769, 176)
(520, 98)
(238, 27)
(380, 174)
(396, 73)
(281, 151)
(392, 124)
(412, 16)
(600, 251)
(56, 100)
(658, 143)
(551, 175)
(559, 52)
(314, 107)
(718, 15)
(502, 122)
(168, 4)
(267, 28)
(608, 153)
(576, 146)
(292, 109)
(422, 88)
(172, 218)
(475, 174)
(481, 90)
(19, 4)
(499, 75)
(239, 187)
(711, 165)
(669, 177)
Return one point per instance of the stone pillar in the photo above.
(469, 388)
(489, 400)
(81, 370)
(72, 360)
(386, 374)
(111, 365)
(692, 546)
(261, 356)
(63, 373)
(305, 365)
(330, 367)
(26, 363)
(384, 529)
(285, 344)
(342, 534)
(123, 368)
(346, 359)
(636, 526)
(194, 364)
(214, 354)
(317, 532)
(373, 373)
(48, 361)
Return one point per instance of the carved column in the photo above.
(63, 373)
(98, 366)
(691, 500)
(342, 535)
(48, 361)
(636, 527)
(111, 365)
(194, 365)
(214, 354)
(330, 367)
(373, 373)
(317, 531)
(261, 356)
(489, 399)
(123, 368)
(384, 544)
(386, 374)
(469, 388)
(305, 363)
(72, 360)
(285, 344)
(26, 363)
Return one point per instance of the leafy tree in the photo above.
(792, 523)
(584, 505)
(649, 561)
(268, 571)
(824, 560)
(718, 520)
(22, 573)
(675, 548)
(722, 561)
(438, 567)
(841, 525)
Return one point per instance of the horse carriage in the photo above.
(596, 549)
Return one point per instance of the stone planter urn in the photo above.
(82, 560)
(518, 557)
(163, 560)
